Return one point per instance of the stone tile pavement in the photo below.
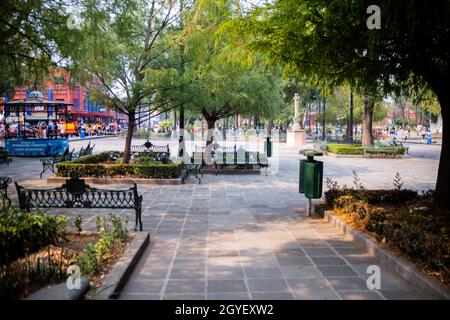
(247, 237)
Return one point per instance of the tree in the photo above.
(219, 83)
(331, 42)
(29, 31)
(121, 53)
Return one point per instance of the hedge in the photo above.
(387, 151)
(359, 150)
(156, 170)
(345, 149)
(93, 158)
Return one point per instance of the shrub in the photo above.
(93, 158)
(24, 233)
(156, 170)
(23, 276)
(387, 151)
(113, 233)
(349, 149)
(345, 149)
(77, 221)
(95, 166)
(431, 248)
(402, 217)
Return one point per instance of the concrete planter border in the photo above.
(406, 269)
(115, 281)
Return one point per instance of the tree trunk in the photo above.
(210, 136)
(442, 195)
(269, 127)
(367, 136)
(323, 119)
(181, 142)
(224, 129)
(350, 120)
(131, 122)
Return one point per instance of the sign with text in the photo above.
(36, 147)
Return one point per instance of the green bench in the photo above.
(241, 159)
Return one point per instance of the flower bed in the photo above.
(403, 219)
(100, 165)
(36, 250)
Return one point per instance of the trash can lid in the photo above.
(310, 153)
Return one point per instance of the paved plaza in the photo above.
(247, 236)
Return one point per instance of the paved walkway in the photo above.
(246, 236)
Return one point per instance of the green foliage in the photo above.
(398, 183)
(18, 278)
(23, 233)
(93, 158)
(386, 151)
(373, 197)
(77, 222)
(29, 30)
(218, 80)
(88, 262)
(147, 159)
(95, 166)
(422, 235)
(148, 170)
(345, 149)
(113, 233)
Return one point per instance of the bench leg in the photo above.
(184, 176)
(138, 220)
(199, 180)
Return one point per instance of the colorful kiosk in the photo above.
(35, 126)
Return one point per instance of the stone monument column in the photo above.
(296, 137)
(296, 126)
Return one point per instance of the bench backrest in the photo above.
(75, 193)
(153, 148)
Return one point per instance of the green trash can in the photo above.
(268, 147)
(313, 173)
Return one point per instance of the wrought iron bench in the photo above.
(191, 169)
(240, 158)
(49, 164)
(75, 193)
(83, 151)
(4, 157)
(161, 153)
(215, 149)
(4, 182)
